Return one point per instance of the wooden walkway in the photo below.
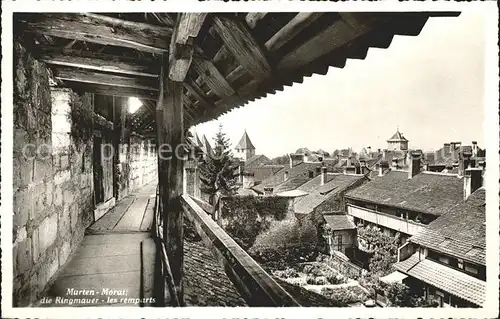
(115, 264)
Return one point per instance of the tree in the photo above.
(218, 170)
(281, 160)
(384, 247)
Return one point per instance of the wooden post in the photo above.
(170, 165)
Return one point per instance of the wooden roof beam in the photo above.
(243, 46)
(103, 30)
(252, 18)
(337, 34)
(86, 76)
(195, 91)
(98, 61)
(112, 90)
(182, 48)
(212, 77)
(291, 29)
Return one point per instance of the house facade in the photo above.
(446, 261)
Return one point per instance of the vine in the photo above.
(81, 117)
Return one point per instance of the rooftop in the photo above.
(462, 229)
(245, 143)
(339, 222)
(433, 194)
(443, 277)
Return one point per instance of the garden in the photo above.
(320, 278)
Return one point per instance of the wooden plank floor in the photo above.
(115, 264)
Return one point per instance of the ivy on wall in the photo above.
(81, 117)
(245, 217)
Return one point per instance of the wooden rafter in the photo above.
(103, 30)
(182, 44)
(98, 61)
(112, 90)
(252, 18)
(212, 77)
(88, 76)
(291, 29)
(197, 93)
(333, 37)
(243, 46)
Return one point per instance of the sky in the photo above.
(429, 86)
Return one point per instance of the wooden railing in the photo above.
(255, 285)
(389, 221)
(169, 294)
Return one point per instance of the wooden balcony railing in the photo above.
(256, 286)
(168, 292)
(389, 221)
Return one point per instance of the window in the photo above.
(460, 263)
(471, 269)
(444, 260)
(339, 242)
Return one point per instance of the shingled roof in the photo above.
(446, 278)
(397, 137)
(426, 192)
(336, 183)
(301, 169)
(461, 232)
(245, 143)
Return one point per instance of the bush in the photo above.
(287, 273)
(344, 296)
(335, 279)
(287, 242)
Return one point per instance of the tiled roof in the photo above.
(428, 193)
(298, 170)
(339, 222)
(291, 184)
(336, 184)
(314, 183)
(246, 192)
(256, 160)
(205, 282)
(445, 278)
(463, 230)
(397, 137)
(245, 143)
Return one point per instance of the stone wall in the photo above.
(143, 162)
(52, 179)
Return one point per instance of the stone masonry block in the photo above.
(23, 206)
(61, 123)
(61, 177)
(48, 268)
(64, 221)
(75, 218)
(22, 253)
(60, 142)
(49, 193)
(68, 197)
(64, 252)
(58, 196)
(60, 101)
(43, 168)
(47, 232)
(64, 162)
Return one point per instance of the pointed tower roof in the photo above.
(197, 140)
(397, 137)
(245, 143)
(207, 148)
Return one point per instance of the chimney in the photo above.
(323, 176)
(384, 156)
(295, 159)
(285, 176)
(364, 168)
(474, 148)
(268, 190)
(472, 181)
(446, 149)
(395, 162)
(464, 162)
(426, 167)
(414, 168)
(370, 155)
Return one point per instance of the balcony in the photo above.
(385, 220)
